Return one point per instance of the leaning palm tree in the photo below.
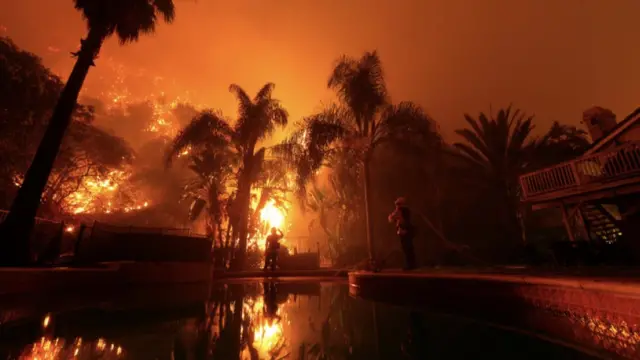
(500, 148)
(126, 19)
(257, 119)
(363, 121)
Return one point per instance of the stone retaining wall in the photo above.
(600, 314)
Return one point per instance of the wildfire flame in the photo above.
(119, 95)
(268, 333)
(99, 195)
(271, 216)
(162, 122)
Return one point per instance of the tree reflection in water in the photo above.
(262, 328)
(283, 320)
(414, 345)
(243, 325)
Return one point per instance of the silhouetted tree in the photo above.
(560, 143)
(361, 123)
(214, 170)
(207, 142)
(257, 119)
(28, 94)
(127, 19)
(499, 147)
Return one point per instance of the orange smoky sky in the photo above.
(553, 58)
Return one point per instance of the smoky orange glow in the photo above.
(452, 56)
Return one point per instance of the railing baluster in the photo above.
(574, 172)
(617, 162)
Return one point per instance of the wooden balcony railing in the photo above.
(584, 172)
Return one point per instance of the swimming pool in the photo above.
(255, 319)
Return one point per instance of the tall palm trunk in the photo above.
(18, 225)
(367, 206)
(244, 202)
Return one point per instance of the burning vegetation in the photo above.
(125, 153)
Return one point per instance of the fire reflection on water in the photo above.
(59, 349)
(267, 329)
(258, 329)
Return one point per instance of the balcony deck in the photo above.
(615, 171)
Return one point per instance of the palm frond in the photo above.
(265, 92)
(519, 135)
(324, 129)
(407, 126)
(126, 18)
(258, 118)
(167, 9)
(476, 143)
(500, 144)
(344, 69)
(472, 155)
(207, 129)
(361, 86)
(244, 101)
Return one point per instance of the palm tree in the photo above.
(257, 119)
(214, 170)
(126, 19)
(363, 121)
(500, 148)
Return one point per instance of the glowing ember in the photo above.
(185, 151)
(69, 228)
(45, 321)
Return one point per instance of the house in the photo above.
(598, 192)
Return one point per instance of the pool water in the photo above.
(267, 320)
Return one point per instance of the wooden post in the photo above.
(567, 224)
(583, 223)
(76, 247)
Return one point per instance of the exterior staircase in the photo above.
(601, 223)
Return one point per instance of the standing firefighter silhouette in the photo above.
(405, 230)
(271, 249)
